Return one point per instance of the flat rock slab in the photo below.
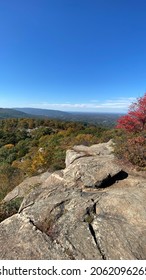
(91, 171)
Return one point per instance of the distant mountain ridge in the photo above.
(106, 119)
(6, 113)
(44, 112)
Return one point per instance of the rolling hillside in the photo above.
(106, 119)
(6, 113)
(53, 114)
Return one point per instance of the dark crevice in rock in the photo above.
(94, 208)
(32, 222)
(47, 227)
(91, 209)
(88, 218)
(110, 180)
(97, 244)
(89, 215)
(60, 204)
(60, 207)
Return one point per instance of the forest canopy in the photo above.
(31, 146)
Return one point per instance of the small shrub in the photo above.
(10, 208)
(132, 148)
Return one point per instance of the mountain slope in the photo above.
(106, 119)
(6, 113)
(45, 113)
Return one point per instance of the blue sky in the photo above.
(72, 55)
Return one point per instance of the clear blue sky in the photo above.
(72, 55)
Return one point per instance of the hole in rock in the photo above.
(109, 181)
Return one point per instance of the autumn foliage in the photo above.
(131, 144)
(135, 120)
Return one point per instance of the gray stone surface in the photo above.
(26, 186)
(91, 210)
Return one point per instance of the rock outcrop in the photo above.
(93, 209)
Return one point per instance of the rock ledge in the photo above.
(93, 209)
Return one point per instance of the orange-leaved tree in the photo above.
(135, 120)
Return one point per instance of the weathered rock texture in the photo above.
(93, 209)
